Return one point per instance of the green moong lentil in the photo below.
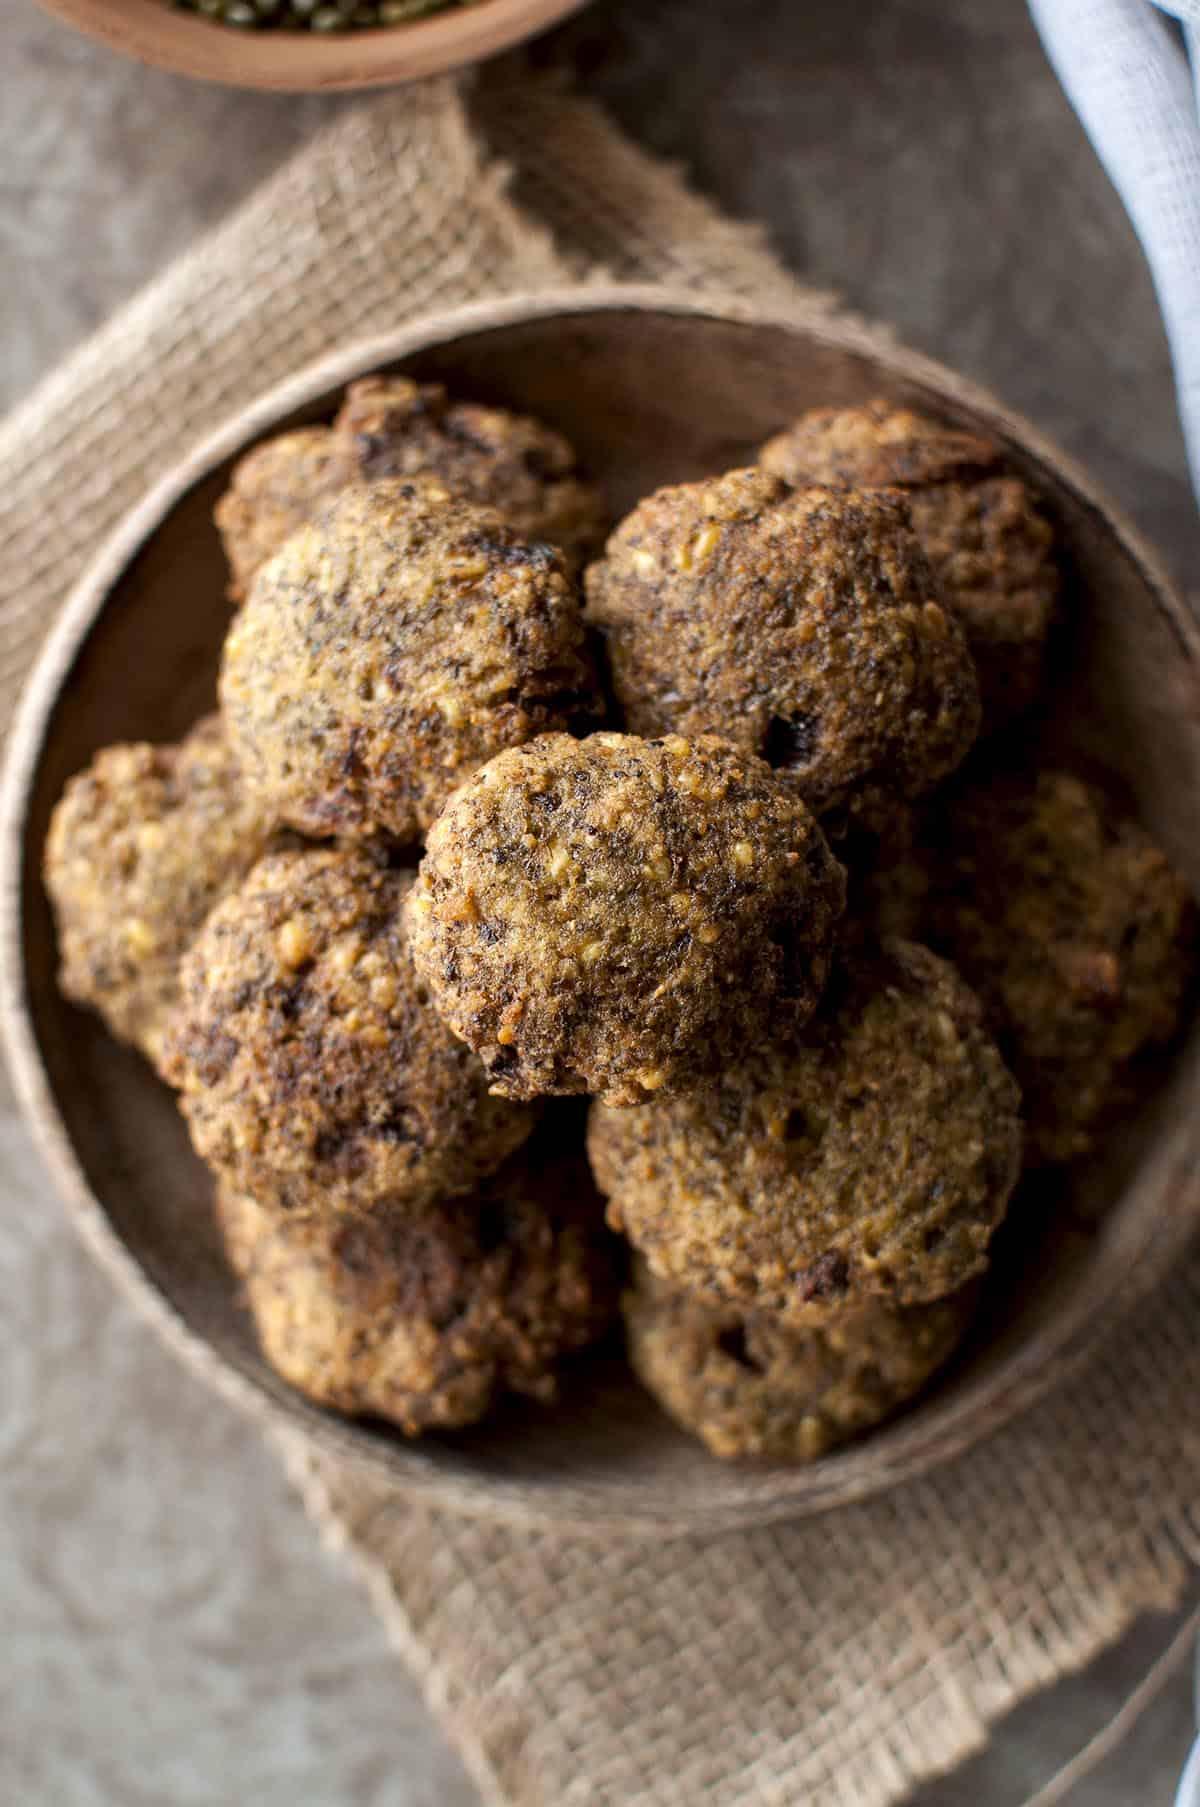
(314, 15)
(397, 12)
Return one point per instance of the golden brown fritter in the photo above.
(424, 1320)
(751, 1390)
(312, 1073)
(873, 1157)
(981, 529)
(391, 427)
(1074, 929)
(803, 626)
(395, 428)
(391, 647)
(622, 916)
(141, 846)
(875, 446)
(274, 489)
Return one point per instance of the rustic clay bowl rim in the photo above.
(299, 62)
(899, 1451)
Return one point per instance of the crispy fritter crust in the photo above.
(805, 627)
(274, 489)
(1076, 932)
(874, 1157)
(877, 446)
(423, 1320)
(312, 1073)
(141, 846)
(988, 542)
(391, 647)
(391, 427)
(510, 462)
(621, 916)
(751, 1390)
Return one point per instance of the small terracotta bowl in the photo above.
(190, 44)
(651, 388)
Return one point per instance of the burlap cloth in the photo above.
(837, 1660)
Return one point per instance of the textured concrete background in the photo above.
(170, 1631)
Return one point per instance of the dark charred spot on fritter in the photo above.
(827, 1278)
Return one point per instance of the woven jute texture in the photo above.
(837, 1660)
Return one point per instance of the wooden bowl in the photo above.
(190, 44)
(650, 388)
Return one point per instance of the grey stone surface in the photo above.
(171, 1633)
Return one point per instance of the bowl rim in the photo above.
(901, 1451)
(310, 62)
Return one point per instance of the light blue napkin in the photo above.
(1126, 70)
(1189, 1787)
